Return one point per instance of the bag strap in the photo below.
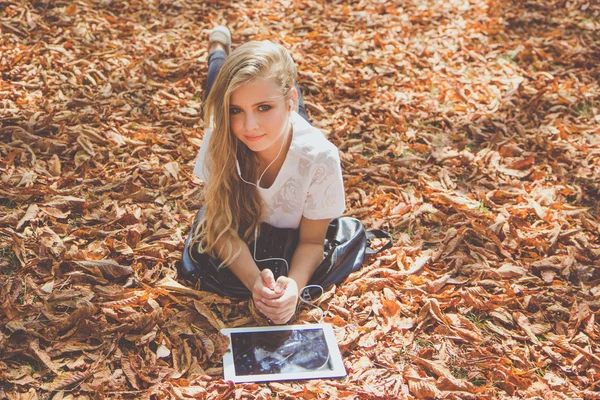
(379, 234)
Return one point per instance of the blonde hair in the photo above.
(234, 208)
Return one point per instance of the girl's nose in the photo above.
(251, 122)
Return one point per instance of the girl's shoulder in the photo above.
(310, 143)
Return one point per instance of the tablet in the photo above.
(278, 353)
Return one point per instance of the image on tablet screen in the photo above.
(280, 352)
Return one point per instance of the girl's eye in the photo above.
(234, 110)
(264, 107)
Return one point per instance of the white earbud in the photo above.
(237, 165)
(291, 102)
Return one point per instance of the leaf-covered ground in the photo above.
(467, 128)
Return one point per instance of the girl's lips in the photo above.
(254, 138)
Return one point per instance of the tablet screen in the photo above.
(283, 352)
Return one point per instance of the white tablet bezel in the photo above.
(334, 353)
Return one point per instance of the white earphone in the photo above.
(305, 296)
(237, 166)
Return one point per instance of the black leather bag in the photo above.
(346, 245)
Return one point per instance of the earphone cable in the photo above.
(305, 296)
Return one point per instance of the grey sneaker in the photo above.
(220, 34)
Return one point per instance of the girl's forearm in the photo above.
(243, 266)
(305, 261)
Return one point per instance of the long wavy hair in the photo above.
(233, 208)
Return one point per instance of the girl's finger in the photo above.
(280, 317)
(278, 302)
(282, 284)
(265, 293)
(268, 278)
(283, 319)
(269, 311)
(272, 312)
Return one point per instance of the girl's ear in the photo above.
(293, 96)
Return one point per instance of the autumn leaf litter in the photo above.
(469, 130)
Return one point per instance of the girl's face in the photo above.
(259, 114)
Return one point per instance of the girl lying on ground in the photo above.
(262, 162)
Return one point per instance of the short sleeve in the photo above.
(200, 169)
(325, 198)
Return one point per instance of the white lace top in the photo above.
(309, 183)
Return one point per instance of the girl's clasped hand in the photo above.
(277, 300)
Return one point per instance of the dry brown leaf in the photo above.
(109, 268)
(511, 271)
(206, 312)
(523, 322)
(65, 380)
(34, 345)
(579, 313)
(76, 316)
(30, 214)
